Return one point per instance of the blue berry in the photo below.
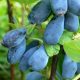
(40, 12)
(34, 76)
(15, 53)
(14, 37)
(74, 6)
(23, 65)
(71, 22)
(59, 6)
(39, 59)
(54, 30)
(69, 68)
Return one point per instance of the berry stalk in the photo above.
(53, 67)
(10, 16)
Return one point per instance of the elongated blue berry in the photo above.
(54, 30)
(15, 53)
(40, 12)
(74, 6)
(71, 22)
(39, 59)
(24, 65)
(59, 6)
(14, 37)
(69, 68)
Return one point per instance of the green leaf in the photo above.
(25, 1)
(52, 49)
(31, 1)
(72, 49)
(67, 36)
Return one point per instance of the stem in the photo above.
(10, 16)
(22, 75)
(54, 67)
(12, 72)
(10, 13)
(23, 14)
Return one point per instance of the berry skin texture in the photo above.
(34, 76)
(23, 65)
(71, 22)
(69, 68)
(15, 54)
(14, 37)
(78, 68)
(40, 12)
(59, 6)
(74, 6)
(39, 59)
(54, 30)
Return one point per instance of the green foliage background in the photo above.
(4, 27)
